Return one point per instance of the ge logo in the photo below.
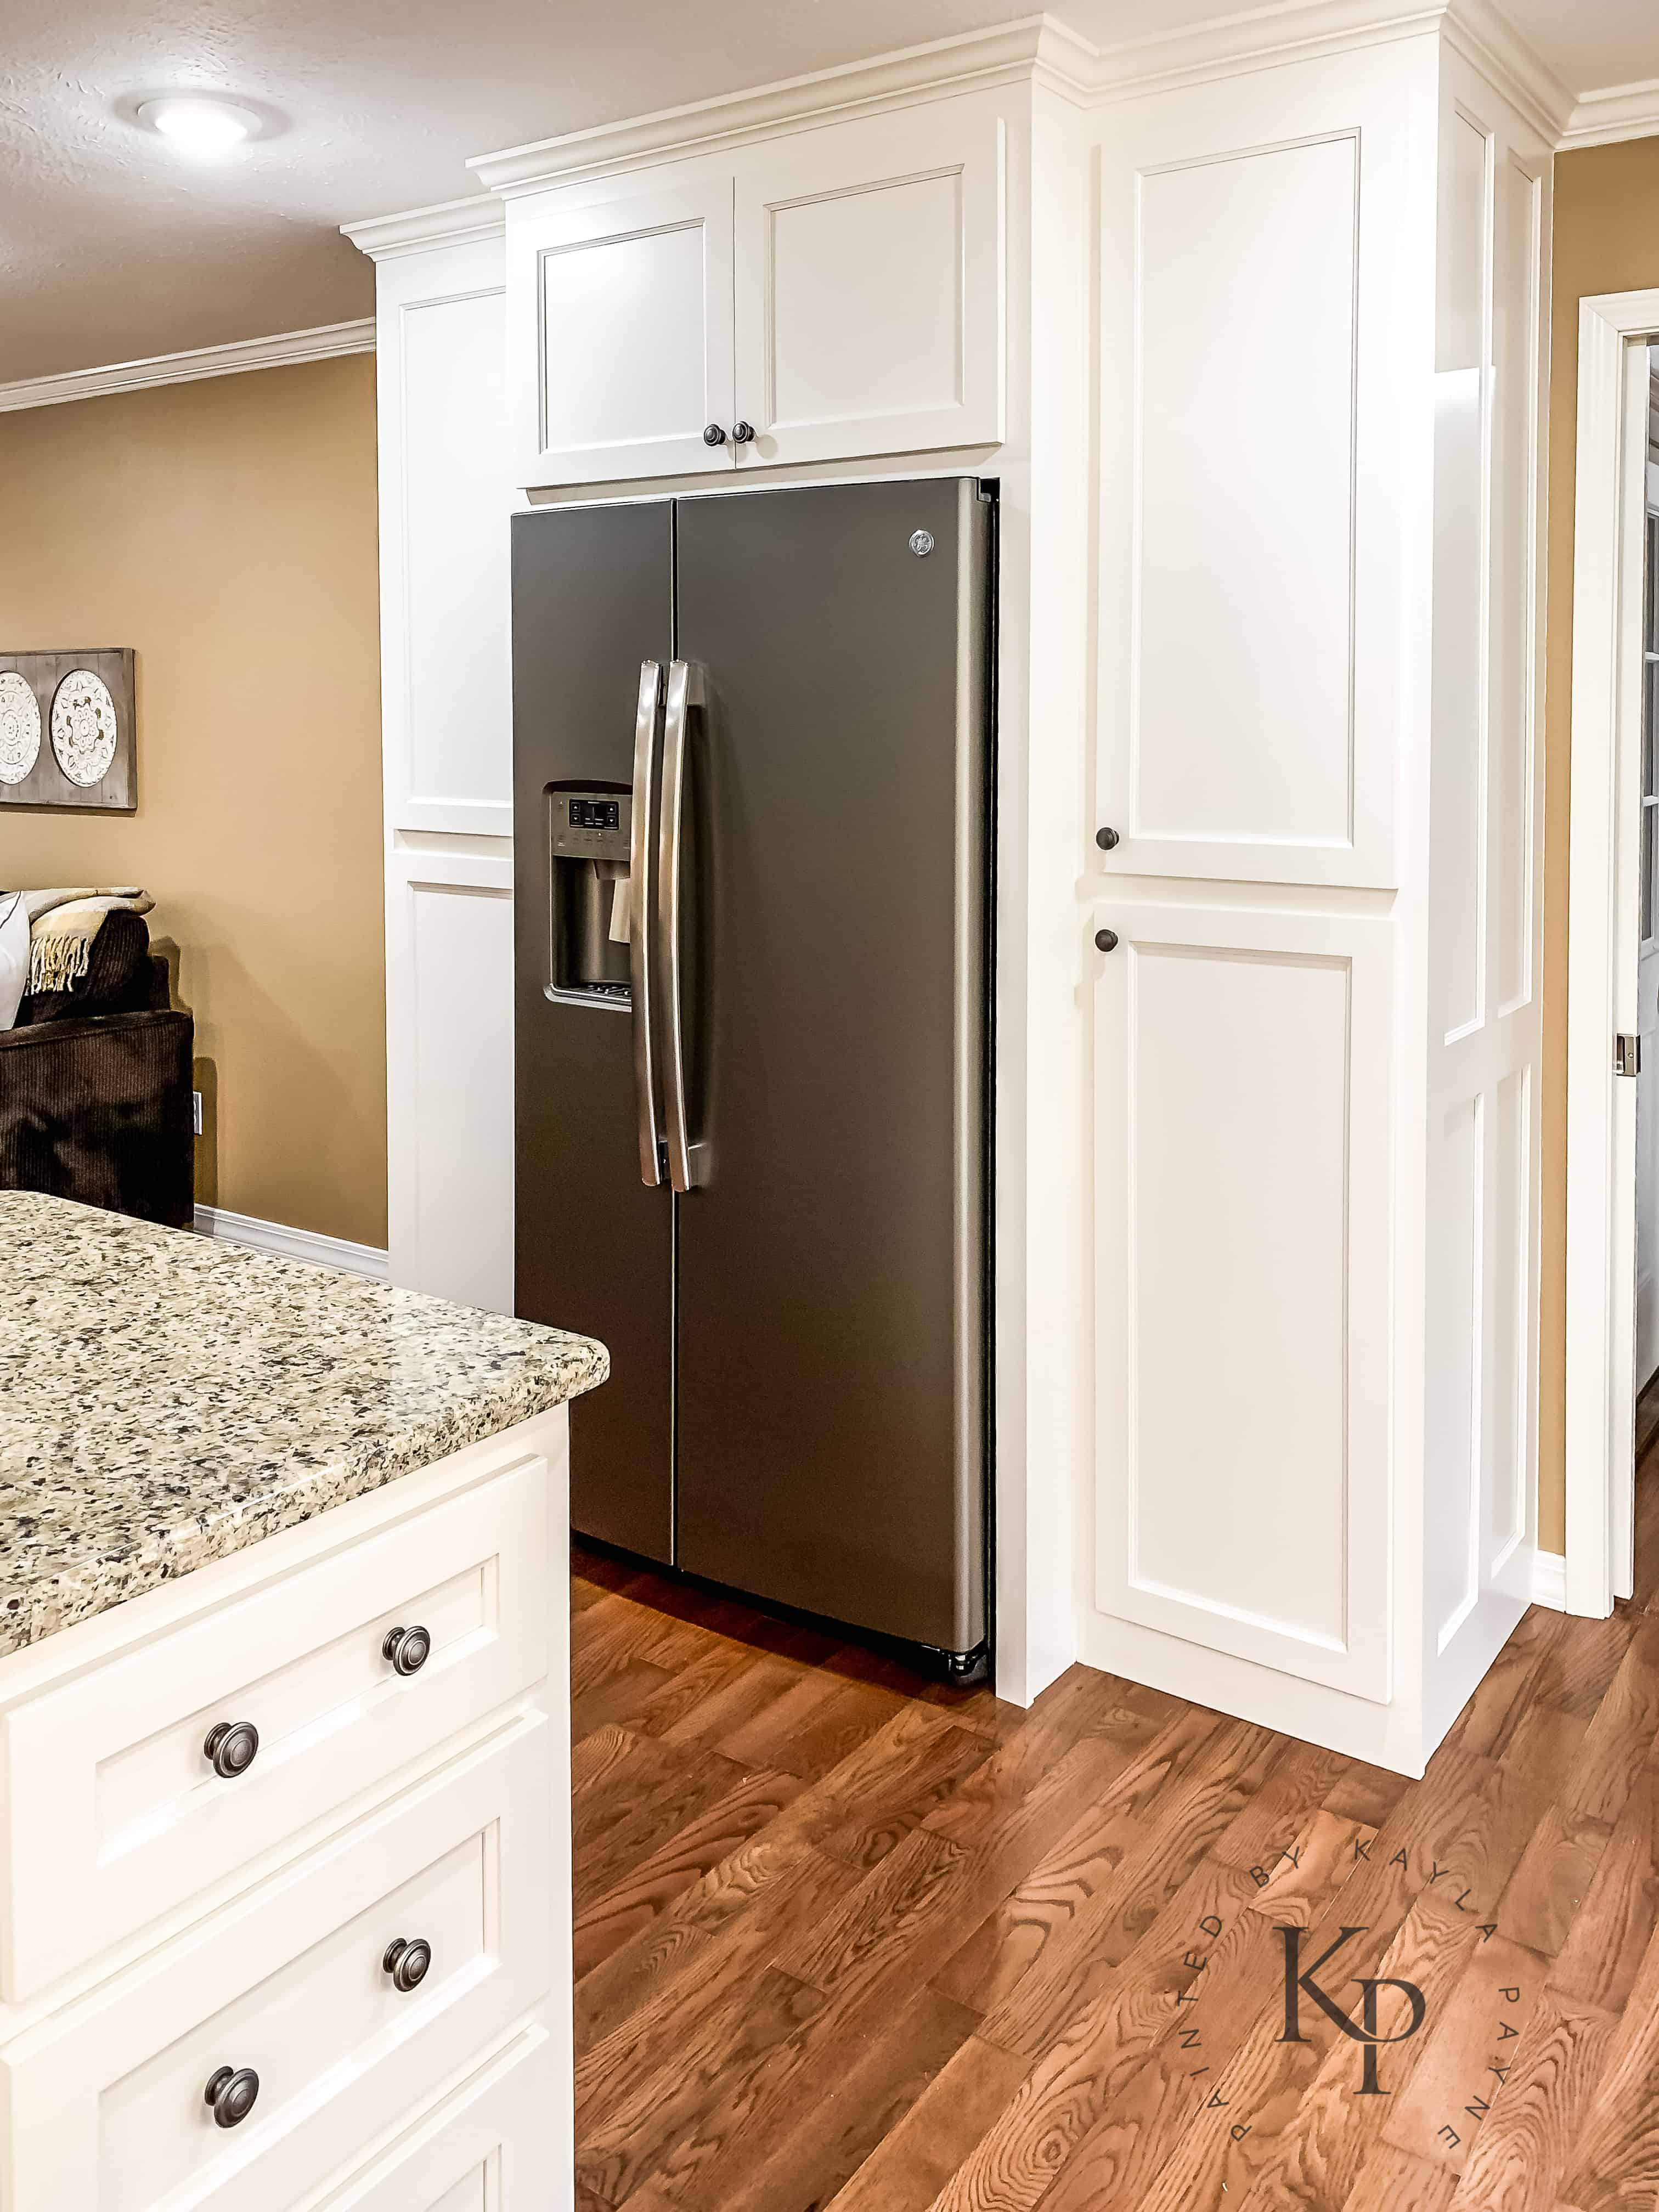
(1299, 1981)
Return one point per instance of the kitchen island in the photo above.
(283, 1733)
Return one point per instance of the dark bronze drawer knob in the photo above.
(229, 1747)
(231, 2094)
(408, 1649)
(407, 1963)
(1107, 840)
(742, 433)
(713, 435)
(1106, 939)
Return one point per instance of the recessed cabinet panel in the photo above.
(869, 288)
(491, 2146)
(622, 317)
(1243, 647)
(1242, 1177)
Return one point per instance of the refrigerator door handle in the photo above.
(687, 1162)
(647, 723)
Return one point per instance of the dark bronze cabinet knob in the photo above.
(408, 1649)
(229, 1747)
(1106, 839)
(231, 2093)
(1106, 939)
(713, 435)
(742, 433)
(407, 1962)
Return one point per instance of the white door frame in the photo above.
(1608, 532)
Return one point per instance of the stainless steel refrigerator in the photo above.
(752, 738)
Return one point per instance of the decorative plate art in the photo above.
(20, 727)
(84, 731)
(83, 701)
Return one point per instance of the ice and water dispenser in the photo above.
(590, 910)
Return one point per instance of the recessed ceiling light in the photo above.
(203, 128)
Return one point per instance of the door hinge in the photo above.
(1626, 1054)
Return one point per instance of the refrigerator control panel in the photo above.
(592, 825)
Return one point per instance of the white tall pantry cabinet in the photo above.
(1248, 326)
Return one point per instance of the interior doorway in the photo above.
(1612, 984)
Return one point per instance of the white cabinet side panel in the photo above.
(455, 1222)
(444, 499)
(1242, 1189)
(1485, 1037)
(455, 550)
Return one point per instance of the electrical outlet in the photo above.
(196, 1111)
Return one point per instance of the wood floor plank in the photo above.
(817, 1890)
(1614, 2161)
(643, 1893)
(907, 2170)
(1393, 2181)
(1469, 2049)
(1517, 2158)
(1622, 1734)
(1615, 1927)
(835, 2130)
(1506, 1691)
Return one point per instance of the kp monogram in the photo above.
(1298, 1980)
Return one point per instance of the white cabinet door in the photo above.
(869, 277)
(1242, 1195)
(621, 331)
(1261, 358)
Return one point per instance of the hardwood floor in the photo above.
(847, 1940)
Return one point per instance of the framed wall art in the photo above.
(66, 729)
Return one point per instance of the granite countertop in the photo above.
(165, 1401)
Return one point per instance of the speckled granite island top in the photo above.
(165, 1401)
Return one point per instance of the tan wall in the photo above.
(1606, 240)
(227, 531)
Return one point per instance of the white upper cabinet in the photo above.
(620, 317)
(820, 296)
(870, 286)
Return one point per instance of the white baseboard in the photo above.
(288, 1243)
(1549, 1580)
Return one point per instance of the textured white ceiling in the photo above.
(113, 247)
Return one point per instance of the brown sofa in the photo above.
(95, 1087)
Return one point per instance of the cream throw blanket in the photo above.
(62, 926)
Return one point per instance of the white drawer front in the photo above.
(140, 1822)
(484, 2148)
(107, 2100)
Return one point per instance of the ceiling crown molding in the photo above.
(1519, 72)
(1616, 112)
(451, 222)
(325, 343)
(1035, 46)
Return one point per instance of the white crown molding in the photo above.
(325, 343)
(1616, 112)
(307, 1245)
(1040, 48)
(451, 222)
(1035, 45)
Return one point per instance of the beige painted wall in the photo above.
(1606, 240)
(227, 531)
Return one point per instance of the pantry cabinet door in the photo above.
(1242, 1177)
(620, 317)
(869, 280)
